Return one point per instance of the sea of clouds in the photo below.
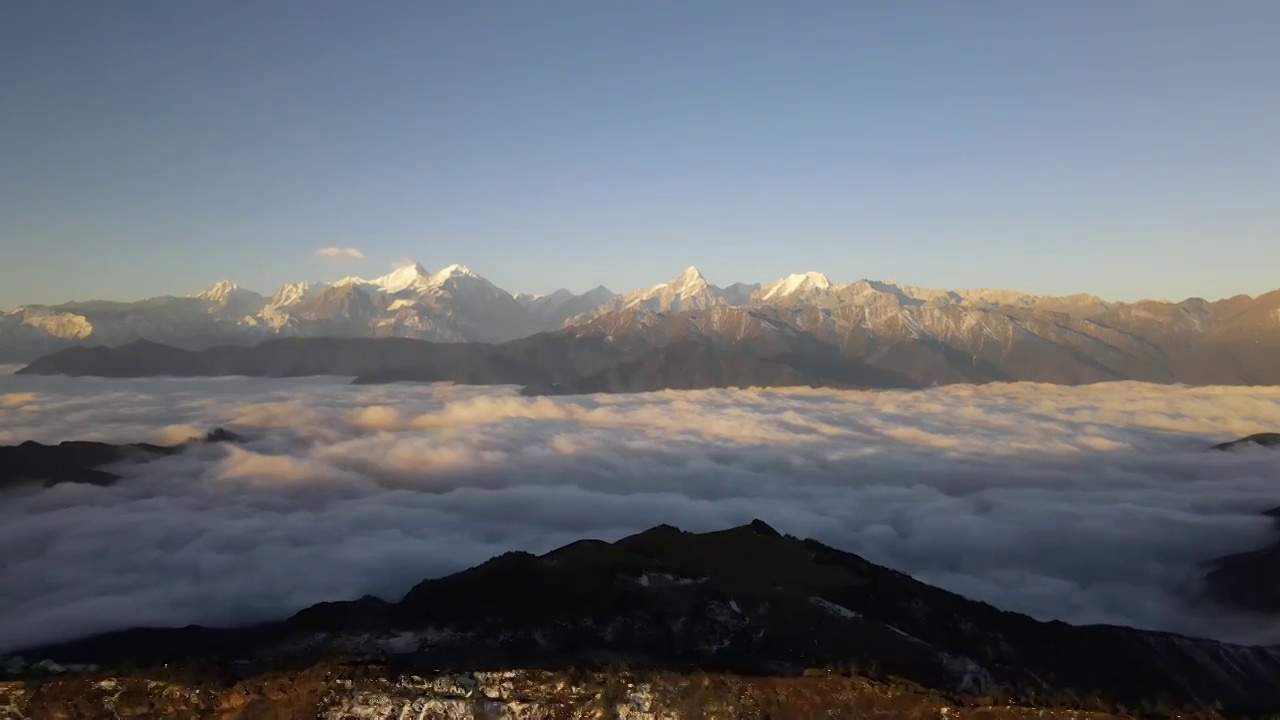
(1090, 504)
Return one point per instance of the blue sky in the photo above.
(1124, 148)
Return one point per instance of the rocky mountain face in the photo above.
(923, 336)
(935, 341)
(744, 602)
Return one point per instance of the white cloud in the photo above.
(340, 253)
(1091, 504)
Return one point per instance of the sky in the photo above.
(1125, 149)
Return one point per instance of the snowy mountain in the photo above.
(689, 291)
(407, 277)
(230, 301)
(219, 292)
(795, 287)
(453, 304)
(931, 335)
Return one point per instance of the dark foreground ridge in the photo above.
(1260, 439)
(81, 461)
(1250, 580)
(746, 602)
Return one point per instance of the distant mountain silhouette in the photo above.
(80, 461)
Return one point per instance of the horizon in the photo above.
(835, 283)
(1124, 152)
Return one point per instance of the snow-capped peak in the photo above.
(690, 281)
(453, 271)
(795, 283)
(401, 278)
(218, 291)
(690, 274)
(688, 291)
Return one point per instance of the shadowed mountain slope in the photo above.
(744, 600)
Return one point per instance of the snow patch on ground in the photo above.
(665, 579)
(398, 642)
(834, 609)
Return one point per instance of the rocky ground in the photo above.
(365, 690)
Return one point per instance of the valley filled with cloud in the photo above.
(1094, 504)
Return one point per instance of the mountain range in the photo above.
(913, 336)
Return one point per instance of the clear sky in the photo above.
(1126, 148)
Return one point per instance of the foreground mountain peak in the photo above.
(745, 600)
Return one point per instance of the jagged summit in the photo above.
(411, 276)
(455, 270)
(401, 278)
(690, 281)
(290, 293)
(217, 291)
(691, 273)
(689, 291)
(230, 302)
(797, 283)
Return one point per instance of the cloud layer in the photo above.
(1093, 504)
(340, 253)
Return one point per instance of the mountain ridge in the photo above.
(932, 336)
(745, 599)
